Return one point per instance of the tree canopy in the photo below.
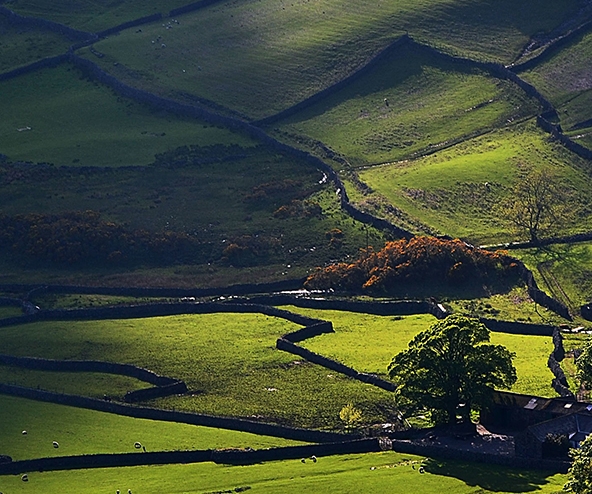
(451, 369)
(580, 472)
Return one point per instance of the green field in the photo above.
(258, 61)
(92, 15)
(347, 474)
(83, 432)
(411, 102)
(95, 385)
(228, 361)
(21, 46)
(67, 120)
(563, 270)
(456, 191)
(566, 79)
(368, 343)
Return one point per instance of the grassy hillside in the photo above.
(566, 79)
(456, 190)
(260, 60)
(21, 46)
(74, 121)
(228, 361)
(348, 474)
(91, 16)
(412, 101)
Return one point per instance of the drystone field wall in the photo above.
(141, 412)
(226, 457)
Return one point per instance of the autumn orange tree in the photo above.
(418, 259)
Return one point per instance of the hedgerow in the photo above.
(419, 260)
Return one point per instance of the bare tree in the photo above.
(537, 204)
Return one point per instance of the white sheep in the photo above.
(25, 478)
(24, 433)
(137, 445)
(313, 458)
(56, 444)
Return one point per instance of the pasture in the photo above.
(347, 474)
(92, 16)
(411, 102)
(258, 59)
(228, 361)
(83, 432)
(563, 270)
(566, 79)
(21, 46)
(57, 116)
(368, 343)
(457, 191)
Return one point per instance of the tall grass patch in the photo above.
(411, 102)
(456, 191)
(56, 116)
(258, 59)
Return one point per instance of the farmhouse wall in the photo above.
(17, 19)
(176, 416)
(472, 456)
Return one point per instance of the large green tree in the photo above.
(580, 472)
(451, 369)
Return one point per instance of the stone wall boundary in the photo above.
(226, 457)
(133, 23)
(236, 424)
(44, 63)
(192, 7)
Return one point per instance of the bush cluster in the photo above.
(418, 260)
(79, 237)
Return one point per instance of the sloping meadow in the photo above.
(257, 59)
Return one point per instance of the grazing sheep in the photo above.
(137, 445)
(421, 470)
(56, 444)
(313, 458)
(25, 478)
(24, 433)
(303, 460)
(129, 491)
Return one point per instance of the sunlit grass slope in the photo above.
(412, 101)
(347, 474)
(456, 191)
(260, 58)
(79, 432)
(56, 116)
(228, 361)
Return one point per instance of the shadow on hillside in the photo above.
(490, 477)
